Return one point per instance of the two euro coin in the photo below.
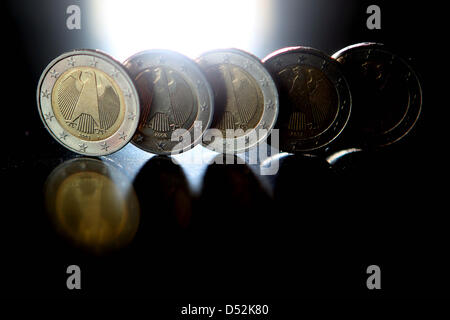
(88, 102)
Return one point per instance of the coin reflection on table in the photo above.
(233, 201)
(164, 197)
(92, 204)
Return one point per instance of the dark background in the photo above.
(314, 237)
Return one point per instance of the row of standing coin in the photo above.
(164, 102)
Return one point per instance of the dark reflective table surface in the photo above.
(141, 225)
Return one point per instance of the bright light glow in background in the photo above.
(189, 27)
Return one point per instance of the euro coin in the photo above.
(176, 101)
(246, 100)
(88, 102)
(387, 95)
(315, 99)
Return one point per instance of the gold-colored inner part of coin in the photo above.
(167, 102)
(239, 101)
(88, 103)
(91, 211)
(309, 101)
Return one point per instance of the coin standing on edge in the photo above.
(88, 103)
(315, 99)
(246, 99)
(174, 94)
(387, 96)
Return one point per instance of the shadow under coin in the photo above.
(314, 226)
(232, 200)
(304, 192)
(231, 232)
(382, 196)
(165, 199)
(92, 204)
(166, 205)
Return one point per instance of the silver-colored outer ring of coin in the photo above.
(374, 50)
(253, 66)
(299, 55)
(197, 80)
(105, 63)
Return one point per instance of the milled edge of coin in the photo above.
(109, 66)
(414, 110)
(268, 89)
(187, 67)
(319, 60)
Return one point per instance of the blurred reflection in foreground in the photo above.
(164, 198)
(92, 204)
